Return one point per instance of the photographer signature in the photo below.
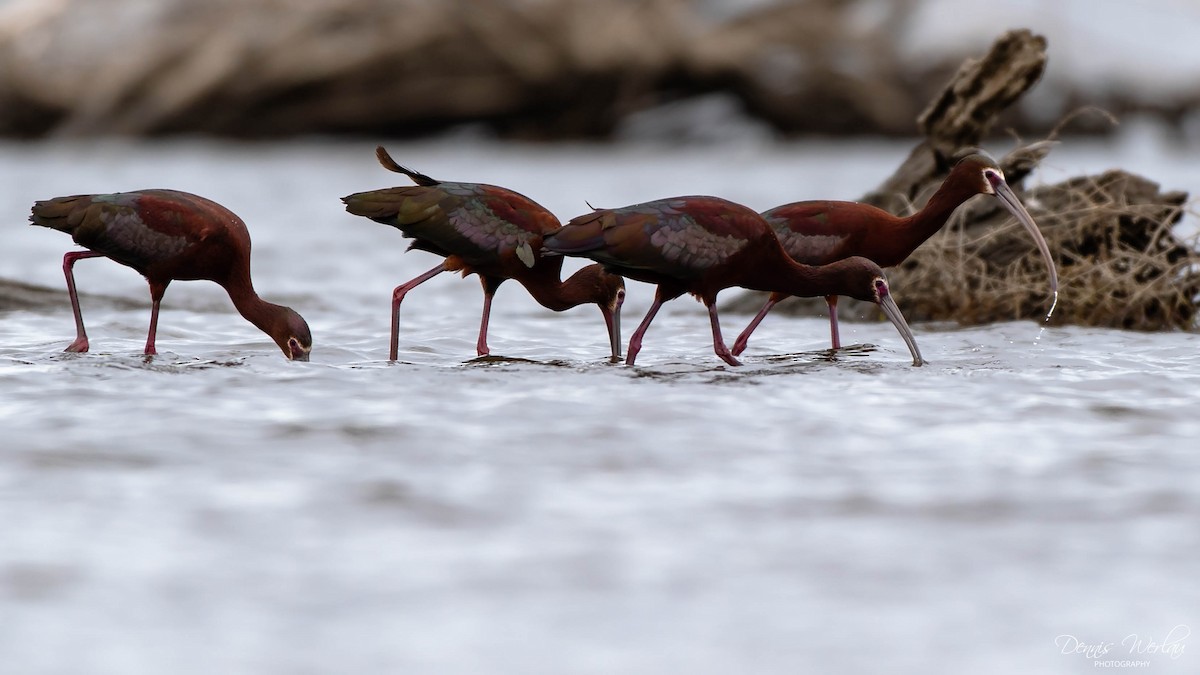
(1133, 644)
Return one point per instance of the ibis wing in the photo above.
(819, 232)
(475, 222)
(136, 229)
(671, 238)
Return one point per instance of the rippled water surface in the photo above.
(219, 509)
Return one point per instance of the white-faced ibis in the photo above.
(167, 235)
(702, 245)
(490, 231)
(820, 232)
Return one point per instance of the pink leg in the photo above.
(718, 341)
(81, 342)
(150, 351)
(156, 294)
(398, 297)
(635, 342)
(481, 347)
(739, 345)
(490, 286)
(834, 338)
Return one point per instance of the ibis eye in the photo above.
(881, 288)
(992, 178)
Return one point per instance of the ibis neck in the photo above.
(925, 223)
(264, 315)
(813, 281)
(557, 295)
(793, 278)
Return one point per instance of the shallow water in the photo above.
(219, 509)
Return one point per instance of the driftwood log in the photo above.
(1120, 264)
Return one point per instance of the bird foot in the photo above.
(79, 346)
(728, 358)
(739, 346)
(632, 352)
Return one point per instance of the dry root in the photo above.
(1119, 263)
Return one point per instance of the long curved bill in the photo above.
(897, 319)
(1014, 206)
(612, 319)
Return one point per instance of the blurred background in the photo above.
(569, 69)
(218, 510)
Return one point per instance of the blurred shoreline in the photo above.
(559, 69)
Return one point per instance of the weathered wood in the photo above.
(962, 115)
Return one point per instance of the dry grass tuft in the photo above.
(1119, 263)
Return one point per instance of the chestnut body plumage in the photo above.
(702, 245)
(490, 231)
(168, 235)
